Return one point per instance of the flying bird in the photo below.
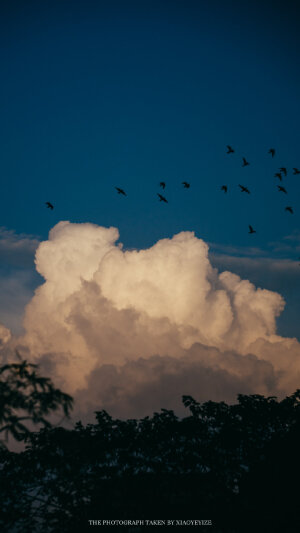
(278, 175)
(224, 188)
(272, 152)
(281, 189)
(251, 230)
(283, 169)
(120, 191)
(230, 149)
(162, 184)
(296, 171)
(245, 163)
(49, 205)
(162, 198)
(290, 209)
(244, 189)
(186, 185)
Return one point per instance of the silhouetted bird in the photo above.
(281, 189)
(186, 185)
(296, 171)
(244, 189)
(224, 188)
(283, 169)
(290, 209)
(278, 175)
(230, 149)
(162, 198)
(245, 163)
(120, 191)
(251, 230)
(272, 152)
(162, 184)
(49, 205)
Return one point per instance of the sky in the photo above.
(98, 95)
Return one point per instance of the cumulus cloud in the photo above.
(131, 331)
(274, 273)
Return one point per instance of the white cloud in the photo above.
(134, 330)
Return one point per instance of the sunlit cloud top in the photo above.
(164, 308)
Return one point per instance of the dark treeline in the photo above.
(236, 465)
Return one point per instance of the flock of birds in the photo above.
(162, 184)
(279, 175)
(230, 150)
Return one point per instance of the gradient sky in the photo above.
(95, 95)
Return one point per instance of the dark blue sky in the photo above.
(100, 94)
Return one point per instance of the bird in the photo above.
(162, 184)
(230, 149)
(278, 175)
(272, 152)
(49, 205)
(290, 209)
(296, 171)
(120, 191)
(281, 189)
(283, 169)
(245, 163)
(162, 198)
(244, 189)
(224, 188)
(186, 185)
(251, 230)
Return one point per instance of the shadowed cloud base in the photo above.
(131, 331)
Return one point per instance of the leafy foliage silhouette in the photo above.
(226, 463)
(27, 397)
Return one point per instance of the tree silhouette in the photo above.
(26, 397)
(225, 463)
